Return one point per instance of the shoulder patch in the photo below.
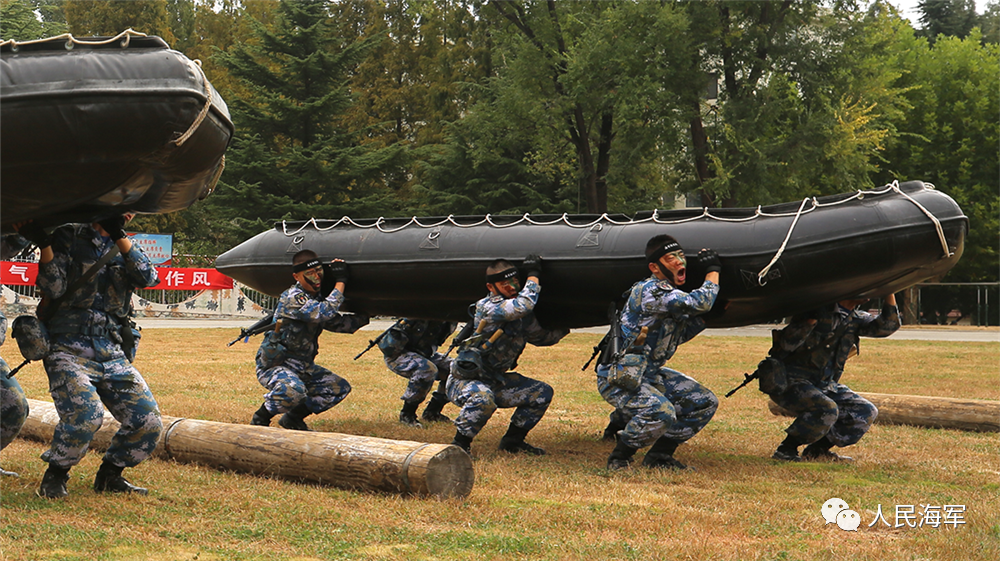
(496, 299)
(664, 284)
(301, 298)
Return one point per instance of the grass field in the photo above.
(739, 504)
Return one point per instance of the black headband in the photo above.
(306, 265)
(663, 250)
(502, 275)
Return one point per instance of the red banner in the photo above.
(175, 278)
(17, 273)
(172, 278)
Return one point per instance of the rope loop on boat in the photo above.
(124, 37)
(204, 110)
(763, 272)
(934, 219)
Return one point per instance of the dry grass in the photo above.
(738, 505)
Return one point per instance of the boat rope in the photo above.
(934, 219)
(204, 110)
(71, 41)
(380, 222)
(763, 272)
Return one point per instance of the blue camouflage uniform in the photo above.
(479, 399)
(410, 349)
(86, 365)
(667, 403)
(13, 404)
(297, 380)
(814, 355)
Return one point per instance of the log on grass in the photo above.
(979, 415)
(338, 460)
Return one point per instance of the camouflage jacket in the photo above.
(3, 328)
(669, 313)
(416, 336)
(517, 319)
(818, 351)
(93, 308)
(303, 316)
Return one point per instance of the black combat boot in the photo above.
(261, 417)
(514, 443)
(820, 450)
(109, 479)
(621, 456)
(788, 450)
(463, 442)
(611, 431)
(408, 416)
(432, 413)
(661, 455)
(54, 482)
(293, 420)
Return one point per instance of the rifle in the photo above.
(377, 340)
(747, 378)
(16, 368)
(262, 325)
(615, 350)
(597, 350)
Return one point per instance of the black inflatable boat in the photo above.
(99, 126)
(777, 260)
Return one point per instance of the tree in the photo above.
(807, 97)
(18, 19)
(953, 18)
(291, 157)
(89, 18)
(951, 138)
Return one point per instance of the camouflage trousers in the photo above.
(668, 403)
(421, 371)
(83, 373)
(13, 406)
(479, 400)
(296, 382)
(835, 412)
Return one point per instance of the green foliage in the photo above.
(19, 22)
(953, 18)
(951, 136)
(808, 97)
(290, 158)
(89, 18)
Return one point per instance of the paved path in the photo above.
(982, 335)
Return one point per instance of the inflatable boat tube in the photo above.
(96, 127)
(776, 260)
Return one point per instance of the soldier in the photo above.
(660, 406)
(12, 401)
(410, 349)
(811, 352)
(298, 387)
(480, 381)
(89, 362)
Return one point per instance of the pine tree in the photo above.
(290, 158)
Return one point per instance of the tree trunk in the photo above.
(935, 412)
(339, 460)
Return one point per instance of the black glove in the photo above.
(114, 226)
(35, 234)
(709, 259)
(339, 271)
(532, 266)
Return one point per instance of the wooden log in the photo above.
(339, 460)
(980, 415)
